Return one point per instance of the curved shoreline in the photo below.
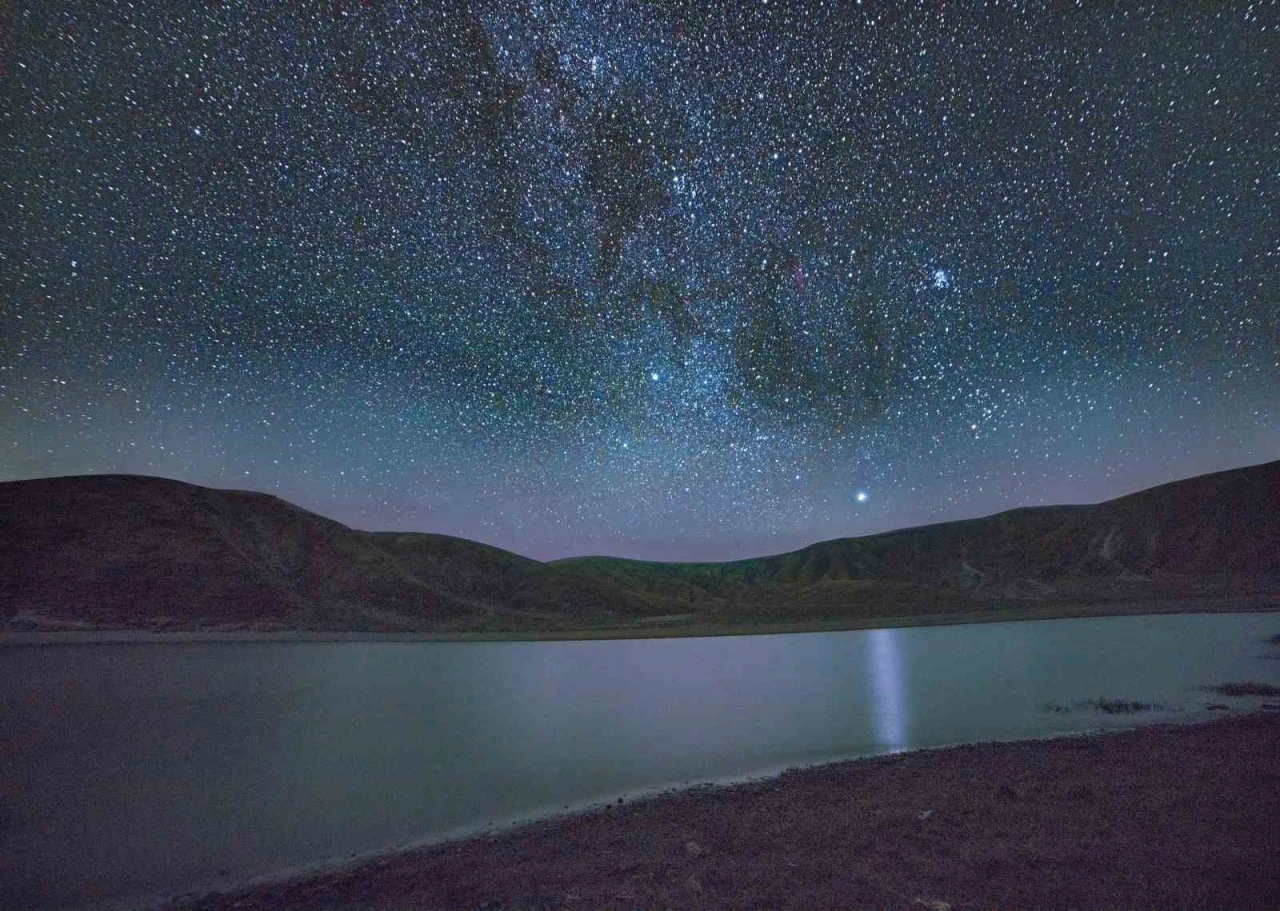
(1164, 815)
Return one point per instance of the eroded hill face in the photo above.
(1212, 534)
(135, 551)
(125, 551)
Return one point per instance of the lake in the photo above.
(128, 771)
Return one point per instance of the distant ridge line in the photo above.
(139, 552)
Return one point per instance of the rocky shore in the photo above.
(1159, 817)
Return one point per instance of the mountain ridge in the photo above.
(134, 551)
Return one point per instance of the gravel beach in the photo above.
(1157, 817)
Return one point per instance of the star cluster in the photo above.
(681, 281)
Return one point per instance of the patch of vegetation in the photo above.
(1124, 706)
(1252, 688)
(1107, 706)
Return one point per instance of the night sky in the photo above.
(672, 280)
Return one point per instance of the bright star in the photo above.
(654, 376)
(862, 496)
(941, 278)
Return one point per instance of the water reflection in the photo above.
(884, 661)
(156, 767)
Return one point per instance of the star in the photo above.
(445, 259)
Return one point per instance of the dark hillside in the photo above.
(120, 550)
(123, 551)
(1217, 532)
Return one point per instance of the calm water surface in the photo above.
(134, 770)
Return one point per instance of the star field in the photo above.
(675, 281)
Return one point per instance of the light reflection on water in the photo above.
(885, 663)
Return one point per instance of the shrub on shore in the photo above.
(1108, 706)
(1251, 688)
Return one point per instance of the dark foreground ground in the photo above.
(1165, 817)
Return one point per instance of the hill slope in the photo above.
(124, 551)
(1215, 534)
(119, 550)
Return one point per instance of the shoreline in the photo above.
(642, 629)
(1061, 821)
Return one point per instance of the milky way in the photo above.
(681, 281)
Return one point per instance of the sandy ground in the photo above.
(1161, 817)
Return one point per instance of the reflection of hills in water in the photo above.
(128, 550)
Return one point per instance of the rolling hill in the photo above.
(119, 551)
